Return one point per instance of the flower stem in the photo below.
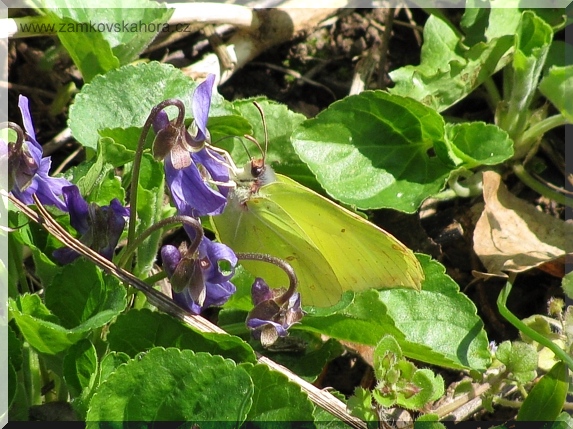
(139, 155)
(540, 128)
(531, 333)
(537, 186)
(471, 186)
(283, 265)
(493, 93)
(187, 220)
(235, 329)
(155, 277)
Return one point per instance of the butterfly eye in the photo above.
(257, 168)
(257, 171)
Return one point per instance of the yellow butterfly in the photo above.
(331, 249)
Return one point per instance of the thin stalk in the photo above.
(446, 195)
(235, 328)
(139, 155)
(45, 378)
(283, 265)
(155, 277)
(539, 187)
(531, 333)
(537, 130)
(32, 376)
(508, 403)
(187, 220)
(494, 97)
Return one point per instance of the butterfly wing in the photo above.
(263, 226)
(330, 248)
(362, 255)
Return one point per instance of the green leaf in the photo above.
(223, 127)
(399, 381)
(110, 363)
(12, 380)
(431, 388)
(150, 201)
(15, 267)
(387, 344)
(119, 144)
(80, 367)
(96, 179)
(81, 300)
(437, 325)
(276, 398)
(241, 299)
(39, 327)
(324, 420)
(80, 370)
(124, 98)
(371, 151)
(477, 143)
(449, 71)
(360, 405)
(174, 385)
(519, 358)
(140, 330)
(481, 22)
(81, 295)
(531, 46)
(14, 349)
(103, 38)
(309, 363)
(352, 319)
(557, 86)
(546, 399)
(41, 244)
(558, 55)
(440, 318)
(428, 421)
(89, 51)
(563, 421)
(567, 284)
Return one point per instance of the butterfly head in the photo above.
(254, 174)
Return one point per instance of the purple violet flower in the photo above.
(268, 320)
(28, 171)
(205, 280)
(187, 180)
(100, 227)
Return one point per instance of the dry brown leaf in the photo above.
(512, 235)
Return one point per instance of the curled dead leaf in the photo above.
(511, 235)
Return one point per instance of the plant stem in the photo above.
(32, 375)
(139, 155)
(470, 187)
(508, 403)
(494, 95)
(531, 333)
(283, 265)
(155, 277)
(235, 328)
(540, 128)
(537, 186)
(446, 195)
(188, 220)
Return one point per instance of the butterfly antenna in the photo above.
(245, 146)
(260, 109)
(254, 140)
